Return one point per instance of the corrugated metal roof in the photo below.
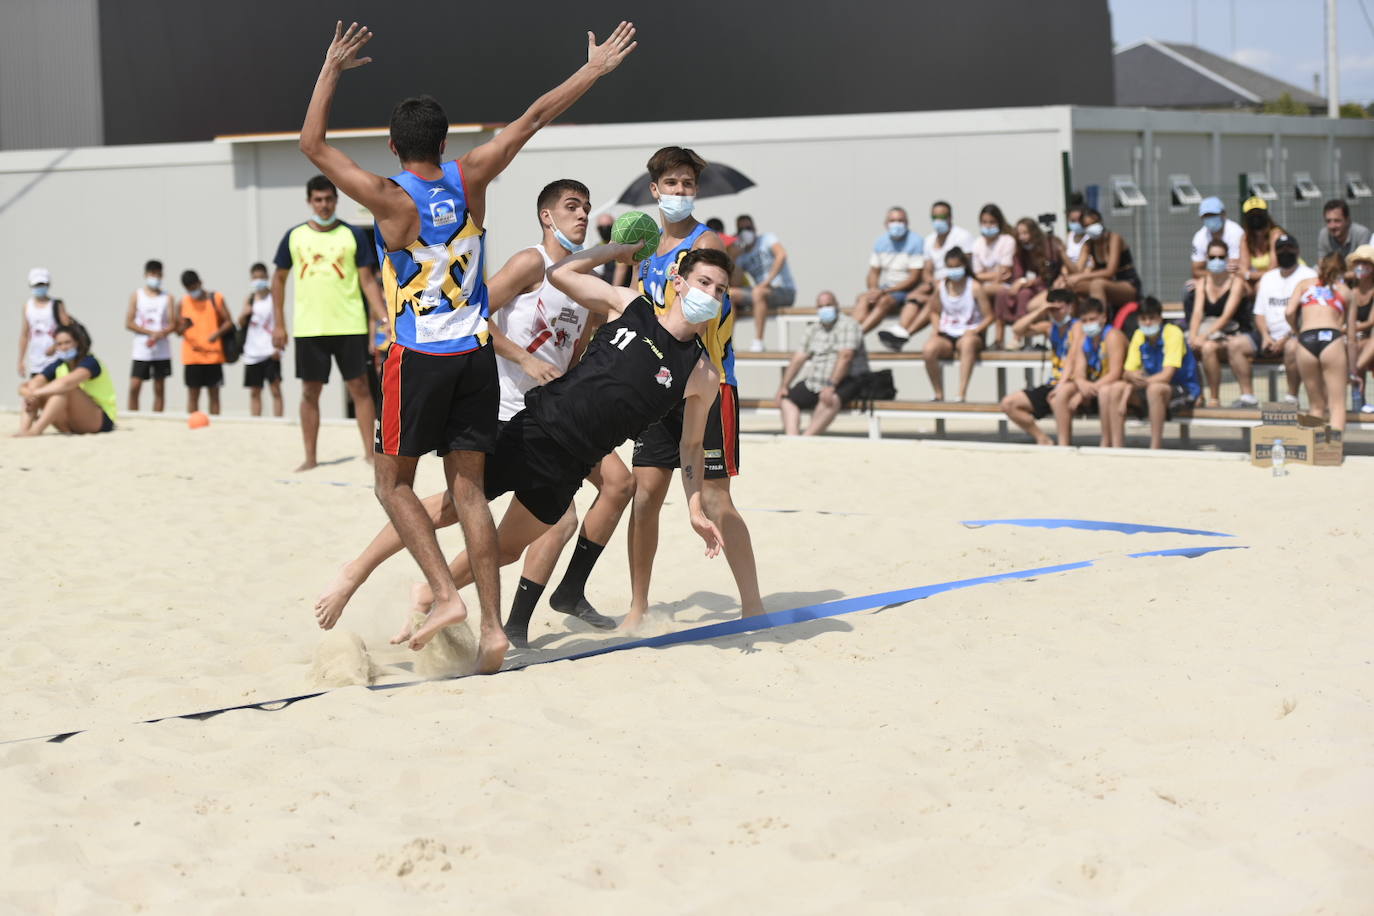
(1158, 74)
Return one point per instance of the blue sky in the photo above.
(1285, 38)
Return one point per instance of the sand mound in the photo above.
(452, 651)
(341, 660)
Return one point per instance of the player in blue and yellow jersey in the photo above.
(1097, 359)
(439, 381)
(1160, 373)
(673, 173)
(1055, 319)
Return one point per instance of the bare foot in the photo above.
(419, 605)
(491, 651)
(332, 601)
(631, 623)
(443, 614)
(307, 465)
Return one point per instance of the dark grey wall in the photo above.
(177, 70)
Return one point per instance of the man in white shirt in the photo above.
(944, 236)
(1215, 226)
(1272, 335)
(894, 269)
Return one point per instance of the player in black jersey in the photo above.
(637, 368)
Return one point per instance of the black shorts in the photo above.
(660, 445)
(543, 475)
(151, 368)
(1039, 398)
(269, 371)
(204, 375)
(106, 424)
(313, 353)
(438, 403)
(806, 399)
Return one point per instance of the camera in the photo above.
(1046, 220)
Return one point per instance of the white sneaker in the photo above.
(1367, 408)
(1290, 399)
(756, 346)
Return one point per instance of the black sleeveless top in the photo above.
(632, 374)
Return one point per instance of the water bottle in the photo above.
(1277, 455)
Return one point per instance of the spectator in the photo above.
(41, 319)
(1257, 245)
(894, 269)
(1361, 263)
(1097, 357)
(993, 253)
(73, 392)
(261, 358)
(1218, 313)
(150, 318)
(1038, 262)
(1074, 237)
(1215, 227)
(1053, 317)
(1274, 336)
(1112, 276)
(1327, 318)
(717, 225)
(831, 362)
(335, 268)
(763, 259)
(202, 319)
(961, 313)
(915, 312)
(1160, 372)
(1340, 235)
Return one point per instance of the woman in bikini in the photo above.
(1326, 318)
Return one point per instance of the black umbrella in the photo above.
(716, 181)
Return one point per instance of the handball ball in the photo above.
(197, 420)
(636, 228)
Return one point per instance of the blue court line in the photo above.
(837, 608)
(1087, 525)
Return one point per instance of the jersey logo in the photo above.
(443, 212)
(664, 377)
(433, 191)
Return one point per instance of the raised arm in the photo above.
(484, 163)
(702, 391)
(573, 276)
(382, 197)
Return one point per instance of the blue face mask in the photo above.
(566, 242)
(955, 273)
(1151, 330)
(1216, 265)
(676, 207)
(65, 355)
(1091, 328)
(40, 292)
(827, 314)
(1075, 227)
(896, 229)
(990, 231)
(698, 306)
(1213, 223)
(321, 221)
(261, 285)
(941, 226)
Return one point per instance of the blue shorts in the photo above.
(898, 295)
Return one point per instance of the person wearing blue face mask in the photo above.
(962, 313)
(42, 315)
(73, 393)
(1219, 312)
(1160, 372)
(1096, 360)
(1112, 276)
(150, 319)
(993, 257)
(1215, 228)
(831, 362)
(894, 270)
(916, 311)
(261, 358)
(1074, 238)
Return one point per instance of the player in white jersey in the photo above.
(261, 358)
(150, 318)
(42, 317)
(535, 329)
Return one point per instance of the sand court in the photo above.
(1156, 734)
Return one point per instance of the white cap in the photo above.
(39, 275)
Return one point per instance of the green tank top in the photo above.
(100, 388)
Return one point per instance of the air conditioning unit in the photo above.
(1304, 188)
(1126, 194)
(1355, 186)
(1183, 193)
(1260, 186)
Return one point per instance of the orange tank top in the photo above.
(197, 349)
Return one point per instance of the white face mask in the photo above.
(65, 355)
(152, 282)
(746, 237)
(827, 314)
(1091, 328)
(1095, 231)
(698, 306)
(676, 207)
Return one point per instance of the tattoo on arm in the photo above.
(687, 471)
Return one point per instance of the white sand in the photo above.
(1145, 736)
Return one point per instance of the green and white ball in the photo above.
(636, 228)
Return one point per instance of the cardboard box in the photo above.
(1302, 444)
(1279, 413)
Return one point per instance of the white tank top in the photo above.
(257, 344)
(42, 326)
(959, 314)
(151, 312)
(545, 323)
(1073, 249)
